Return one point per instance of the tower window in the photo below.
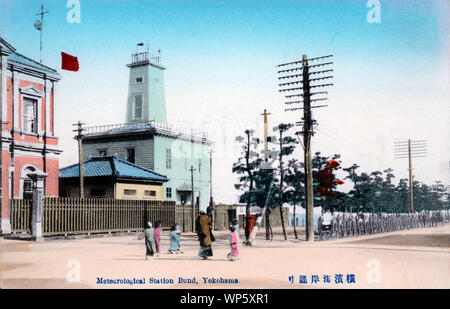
(168, 158)
(138, 107)
(131, 155)
(139, 80)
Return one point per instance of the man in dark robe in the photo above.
(204, 235)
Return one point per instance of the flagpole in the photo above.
(39, 25)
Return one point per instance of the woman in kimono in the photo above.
(149, 240)
(234, 244)
(204, 235)
(157, 232)
(174, 240)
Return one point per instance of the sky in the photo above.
(391, 78)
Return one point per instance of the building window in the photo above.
(150, 193)
(138, 106)
(131, 155)
(102, 152)
(30, 121)
(27, 189)
(139, 80)
(129, 192)
(199, 164)
(168, 192)
(168, 158)
(98, 192)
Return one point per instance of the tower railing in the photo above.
(144, 57)
(136, 126)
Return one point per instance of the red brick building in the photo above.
(28, 141)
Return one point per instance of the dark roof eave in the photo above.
(34, 72)
(152, 131)
(103, 135)
(140, 178)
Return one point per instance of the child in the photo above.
(235, 224)
(178, 230)
(175, 239)
(234, 244)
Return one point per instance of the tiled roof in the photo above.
(21, 59)
(111, 166)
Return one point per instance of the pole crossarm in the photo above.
(301, 75)
(297, 108)
(300, 81)
(313, 100)
(301, 88)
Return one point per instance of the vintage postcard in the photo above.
(225, 145)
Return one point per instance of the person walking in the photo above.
(235, 224)
(157, 233)
(203, 228)
(234, 244)
(174, 240)
(178, 230)
(149, 240)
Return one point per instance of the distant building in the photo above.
(28, 141)
(112, 177)
(146, 138)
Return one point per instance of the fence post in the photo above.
(38, 204)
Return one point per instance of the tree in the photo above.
(401, 197)
(295, 189)
(263, 178)
(324, 180)
(287, 146)
(246, 167)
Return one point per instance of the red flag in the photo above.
(69, 63)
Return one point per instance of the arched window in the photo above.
(26, 182)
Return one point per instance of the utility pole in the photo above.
(409, 150)
(411, 187)
(266, 162)
(211, 200)
(307, 153)
(39, 26)
(192, 169)
(308, 122)
(79, 137)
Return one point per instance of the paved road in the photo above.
(418, 258)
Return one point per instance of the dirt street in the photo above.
(418, 258)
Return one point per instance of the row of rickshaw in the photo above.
(335, 225)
